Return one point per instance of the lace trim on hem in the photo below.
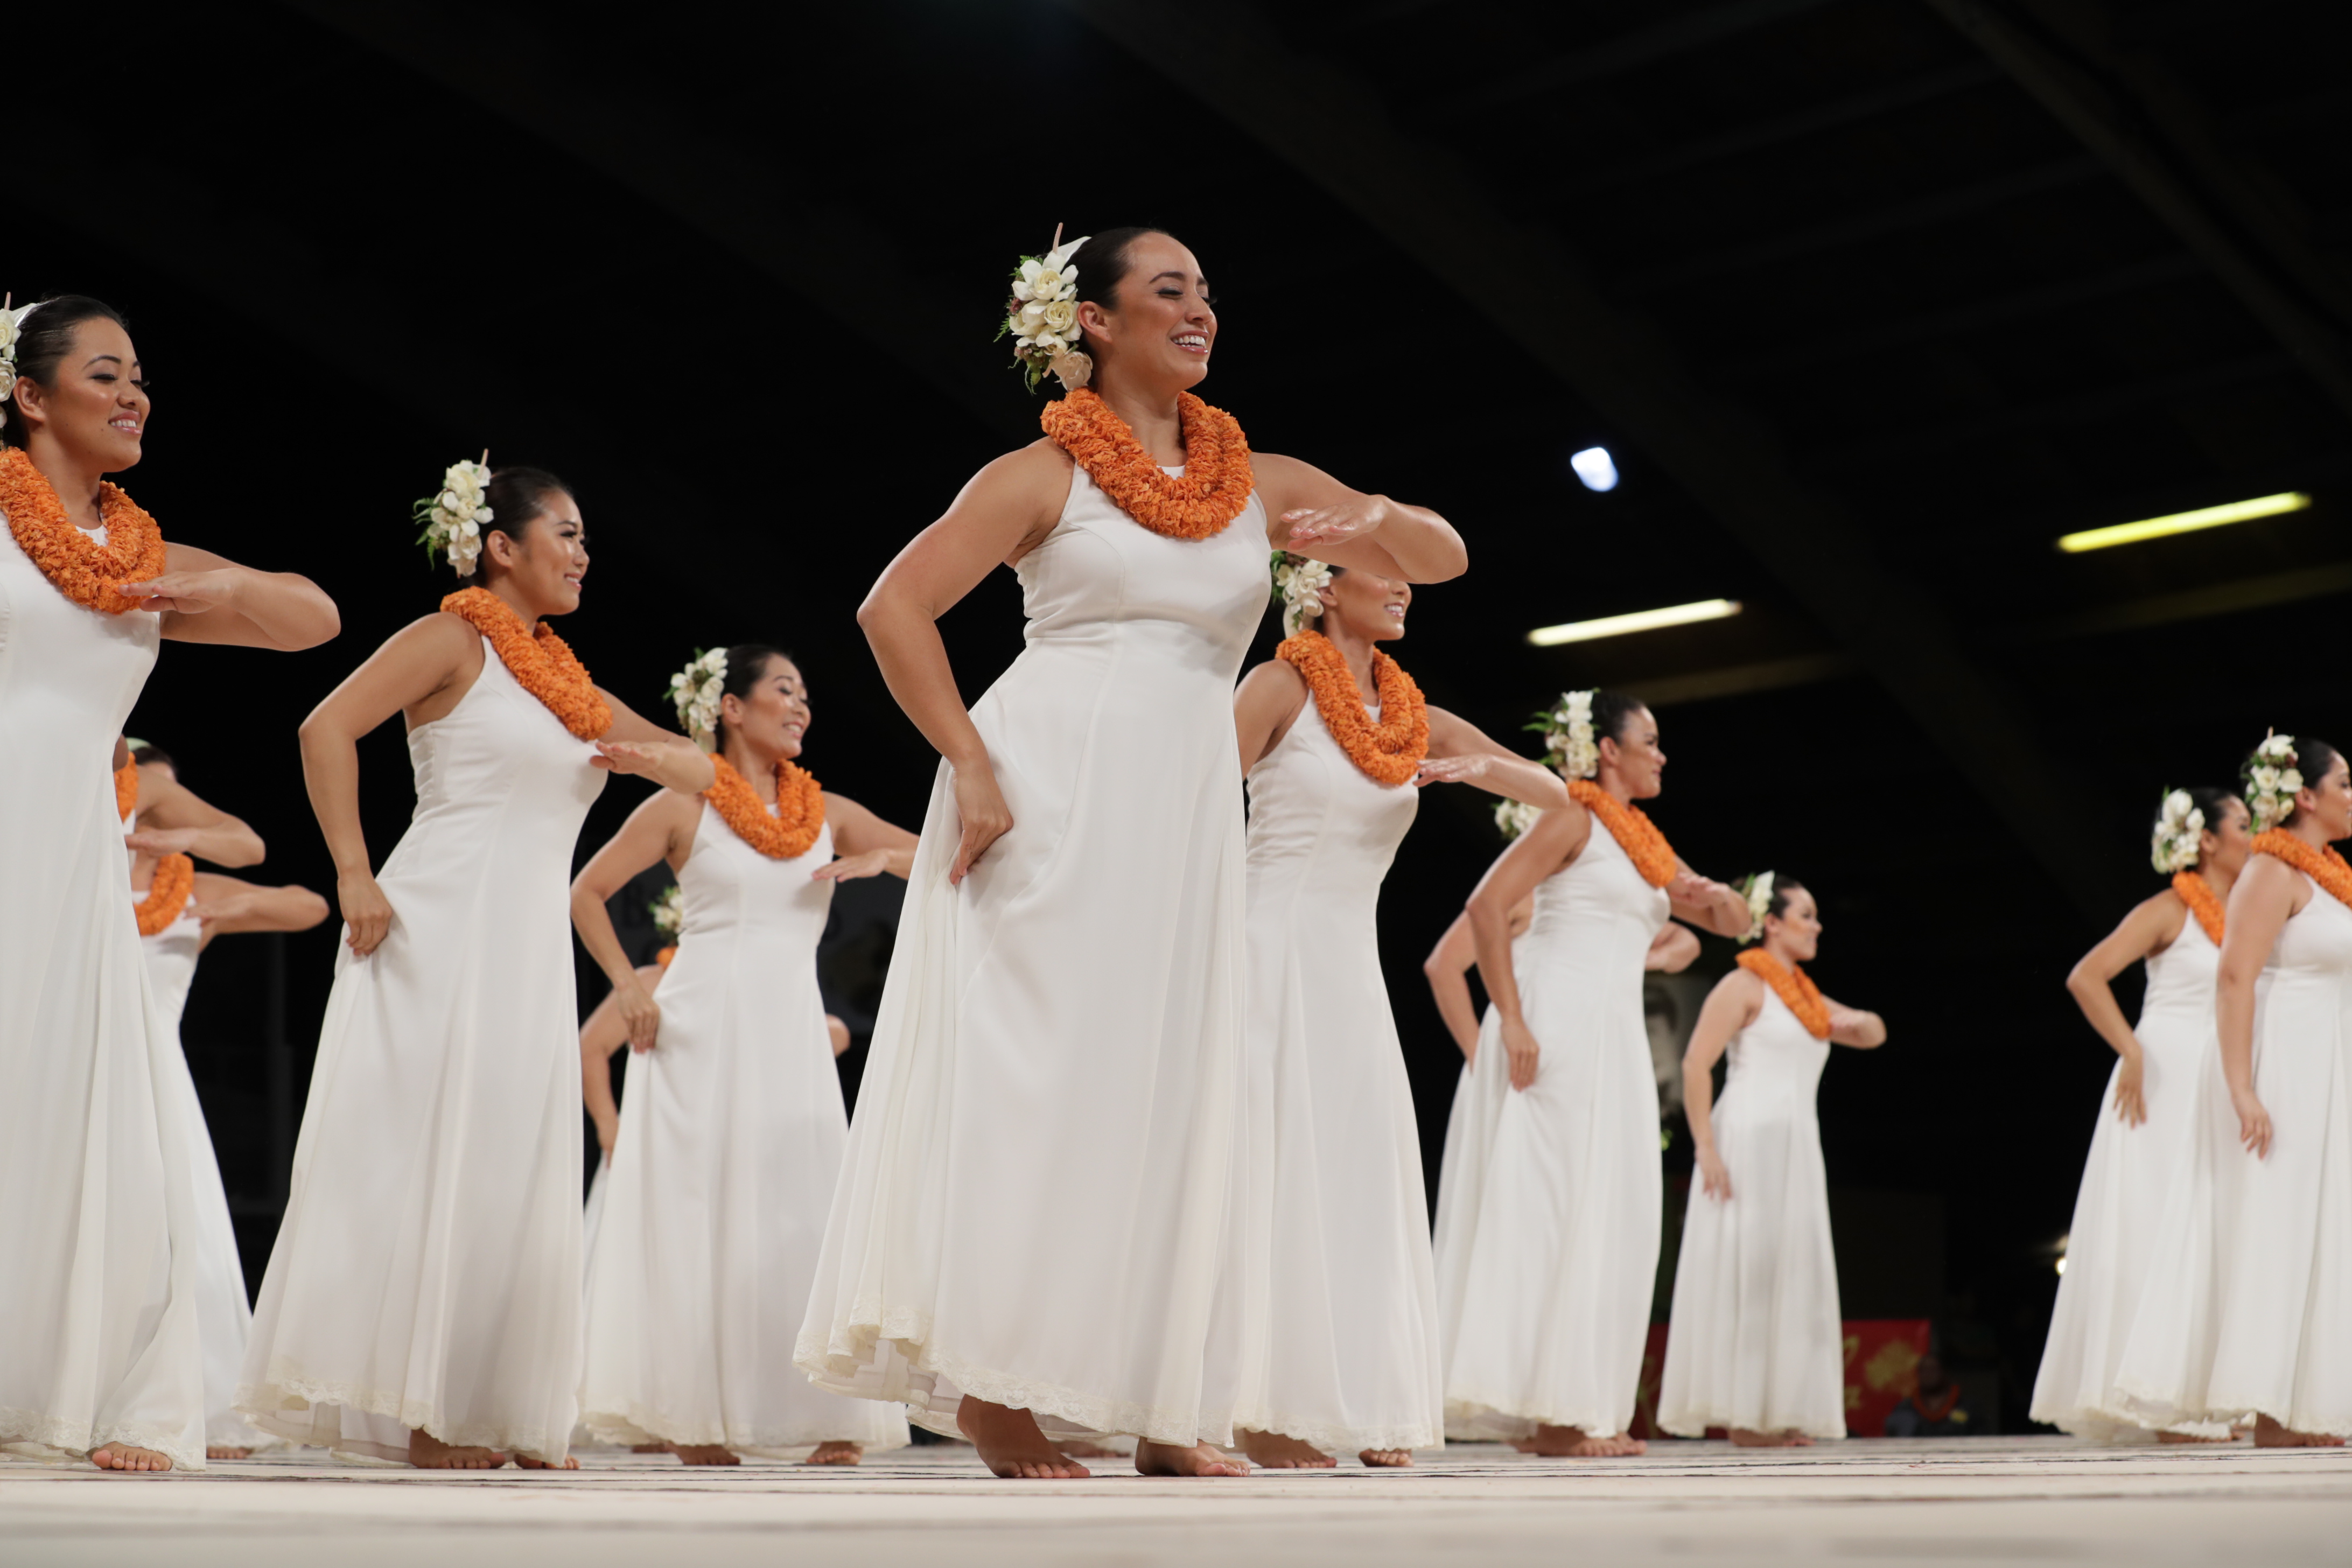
(78, 1439)
(1333, 1439)
(1477, 1420)
(273, 1404)
(1690, 1423)
(640, 1424)
(2151, 1409)
(2109, 1424)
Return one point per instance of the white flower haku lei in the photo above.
(1758, 890)
(1042, 318)
(454, 519)
(10, 320)
(669, 911)
(2173, 848)
(696, 692)
(1569, 741)
(1515, 816)
(2272, 781)
(1299, 582)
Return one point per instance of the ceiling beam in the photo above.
(1528, 287)
(2077, 100)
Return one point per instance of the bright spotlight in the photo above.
(2183, 522)
(1639, 621)
(1596, 467)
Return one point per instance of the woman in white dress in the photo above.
(1756, 1343)
(1336, 741)
(730, 1135)
(1067, 987)
(180, 910)
(100, 1354)
(423, 1300)
(2247, 1307)
(2146, 1134)
(1549, 1200)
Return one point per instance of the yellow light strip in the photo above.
(2183, 522)
(1639, 621)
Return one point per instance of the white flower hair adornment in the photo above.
(1515, 816)
(696, 692)
(1042, 317)
(2272, 781)
(1569, 744)
(1299, 582)
(1758, 890)
(11, 319)
(669, 911)
(2173, 848)
(455, 517)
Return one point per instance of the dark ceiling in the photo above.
(1873, 299)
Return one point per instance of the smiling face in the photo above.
(1372, 607)
(2328, 802)
(2224, 847)
(1795, 933)
(96, 412)
(1635, 755)
(772, 718)
(1160, 328)
(540, 566)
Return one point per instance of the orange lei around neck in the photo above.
(81, 570)
(1388, 752)
(167, 893)
(1793, 986)
(1217, 479)
(542, 664)
(800, 809)
(2202, 901)
(126, 790)
(1631, 827)
(2325, 866)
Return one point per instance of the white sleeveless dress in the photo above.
(98, 1250)
(1351, 1344)
(1547, 1258)
(223, 1311)
(2125, 1180)
(731, 1136)
(2247, 1307)
(1076, 1004)
(427, 1272)
(1756, 1340)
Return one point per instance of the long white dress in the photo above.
(1756, 1340)
(2249, 1305)
(731, 1140)
(1351, 1345)
(1549, 1199)
(2129, 1174)
(98, 1225)
(223, 1314)
(1076, 1004)
(427, 1272)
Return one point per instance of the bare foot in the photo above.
(1082, 1448)
(705, 1453)
(2269, 1434)
(524, 1461)
(1570, 1443)
(123, 1456)
(1199, 1459)
(222, 1451)
(1273, 1451)
(1741, 1437)
(1386, 1458)
(649, 1447)
(836, 1453)
(427, 1452)
(1011, 1446)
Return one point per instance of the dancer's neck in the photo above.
(1358, 649)
(1151, 412)
(75, 479)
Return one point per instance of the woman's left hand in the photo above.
(1350, 520)
(850, 868)
(626, 757)
(1461, 769)
(159, 841)
(188, 593)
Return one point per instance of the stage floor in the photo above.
(2005, 1501)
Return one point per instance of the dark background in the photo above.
(1872, 299)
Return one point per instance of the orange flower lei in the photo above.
(800, 809)
(543, 663)
(1388, 752)
(2202, 901)
(167, 895)
(67, 557)
(1793, 986)
(126, 790)
(2325, 866)
(1217, 479)
(1631, 827)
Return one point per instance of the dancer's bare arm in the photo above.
(1308, 511)
(1730, 1007)
(1672, 950)
(662, 828)
(1007, 509)
(2153, 926)
(175, 820)
(864, 845)
(1266, 703)
(1447, 969)
(1555, 839)
(1707, 904)
(1864, 1031)
(227, 905)
(1461, 753)
(602, 1033)
(633, 743)
(206, 597)
(2268, 893)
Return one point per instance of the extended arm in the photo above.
(1730, 1007)
(2259, 905)
(1557, 838)
(1853, 1027)
(866, 846)
(1308, 511)
(1460, 752)
(2150, 928)
(660, 829)
(175, 820)
(635, 744)
(227, 905)
(1705, 903)
(206, 597)
(1672, 950)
